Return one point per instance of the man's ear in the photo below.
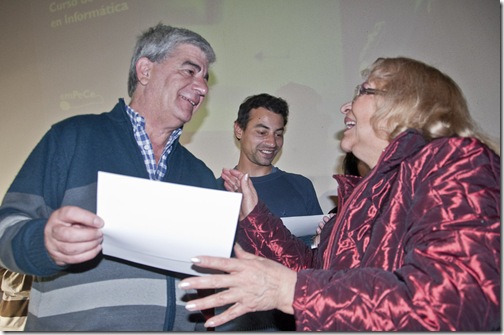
(143, 70)
(238, 132)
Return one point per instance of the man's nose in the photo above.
(271, 140)
(201, 86)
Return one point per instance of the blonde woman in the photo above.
(415, 244)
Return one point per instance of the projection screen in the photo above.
(66, 57)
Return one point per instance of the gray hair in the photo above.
(158, 42)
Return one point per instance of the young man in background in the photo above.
(260, 128)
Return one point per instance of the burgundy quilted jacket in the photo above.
(415, 245)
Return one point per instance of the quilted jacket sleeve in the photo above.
(449, 276)
(264, 234)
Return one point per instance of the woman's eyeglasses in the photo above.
(361, 90)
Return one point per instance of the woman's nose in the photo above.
(346, 108)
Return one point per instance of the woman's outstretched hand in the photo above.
(252, 283)
(236, 181)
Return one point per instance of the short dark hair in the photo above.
(273, 104)
(351, 165)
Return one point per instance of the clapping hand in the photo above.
(235, 181)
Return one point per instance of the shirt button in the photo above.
(146, 147)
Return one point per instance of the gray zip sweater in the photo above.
(104, 294)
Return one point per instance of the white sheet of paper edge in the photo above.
(302, 225)
(163, 224)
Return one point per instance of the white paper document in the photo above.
(302, 225)
(163, 224)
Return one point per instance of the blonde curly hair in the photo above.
(416, 95)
